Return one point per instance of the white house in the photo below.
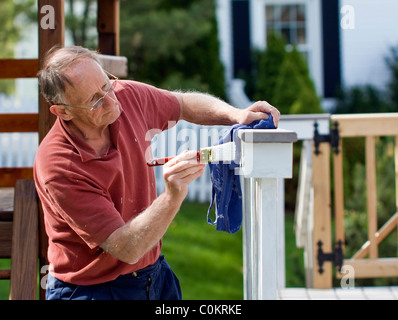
(345, 41)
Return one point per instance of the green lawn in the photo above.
(209, 262)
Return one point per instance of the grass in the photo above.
(207, 262)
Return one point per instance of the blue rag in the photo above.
(226, 189)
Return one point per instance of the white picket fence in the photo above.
(19, 150)
(187, 136)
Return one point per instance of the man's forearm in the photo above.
(131, 241)
(205, 109)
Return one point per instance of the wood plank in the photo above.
(356, 293)
(378, 293)
(6, 202)
(19, 122)
(359, 125)
(373, 268)
(18, 68)
(108, 26)
(9, 176)
(396, 171)
(5, 274)
(116, 65)
(371, 195)
(322, 214)
(48, 38)
(5, 239)
(25, 242)
(339, 194)
(380, 235)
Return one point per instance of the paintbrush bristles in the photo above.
(222, 152)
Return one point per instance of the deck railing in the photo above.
(266, 159)
(314, 204)
(369, 126)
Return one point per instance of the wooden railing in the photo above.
(369, 126)
(314, 205)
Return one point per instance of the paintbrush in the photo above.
(221, 152)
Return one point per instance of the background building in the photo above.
(345, 42)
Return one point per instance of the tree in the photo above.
(172, 44)
(294, 90)
(361, 99)
(269, 67)
(281, 77)
(80, 23)
(10, 32)
(392, 63)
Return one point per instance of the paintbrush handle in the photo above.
(162, 161)
(158, 162)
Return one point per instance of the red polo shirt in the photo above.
(86, 197)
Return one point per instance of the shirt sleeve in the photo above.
(157, 106)
(84, 208)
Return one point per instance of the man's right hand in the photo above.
(180, 171)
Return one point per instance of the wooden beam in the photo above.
(108, 26)
(18, 68)
(25, 242)
(396, 171)
(5, 274)
(380, 235)
(9, 176)
(49, 38)
(322, 215)
(372, 268)
(359, 125)
(339, 194)
(114, 64)
(19, 122)
(5, 239)
(371, 195)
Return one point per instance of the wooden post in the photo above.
(51, 33)
(339, 194)
(322, 215)
(371, 195)
(108, 26)
(25, 242)
(266, 157)
(396, 171)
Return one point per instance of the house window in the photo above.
(299, 22)
(289, 21)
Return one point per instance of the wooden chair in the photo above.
(19, 240)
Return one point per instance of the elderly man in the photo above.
(103, 218)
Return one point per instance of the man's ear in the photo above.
(61, 111)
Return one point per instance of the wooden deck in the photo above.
(357, 293)
(6, 199)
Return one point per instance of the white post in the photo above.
(266, 157)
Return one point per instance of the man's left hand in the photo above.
(258, 111)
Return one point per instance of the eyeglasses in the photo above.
(100, 101)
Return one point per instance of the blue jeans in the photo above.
(156, 282)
